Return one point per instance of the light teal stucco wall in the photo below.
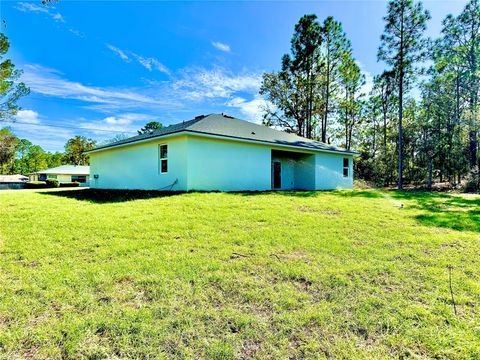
(224, 165)
(137, 166)
(329, 172)
(305, 172)
(203, 163)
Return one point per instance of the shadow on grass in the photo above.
(110, 196)
(305, 193)
(444, 210)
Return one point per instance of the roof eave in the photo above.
(199, 133)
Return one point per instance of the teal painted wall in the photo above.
(202, 163)
(137, 166)
(329, 172)
(215, 164)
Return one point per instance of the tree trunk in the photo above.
(473, 149)
(400, 111)
(430, 170)
(327, 95)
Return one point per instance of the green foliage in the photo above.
(473, 182)
(8, 144)
(149, 128)
(75, 150)
(403, 46)
(52, 183)
(10, 88)
(36, 185)
(304, 91)
(344, 275)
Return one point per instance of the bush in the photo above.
(473, 182)
(70, 184)
(35, 185)
(52, 183)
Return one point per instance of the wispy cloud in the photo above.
(31, 7)
(127, 107)
(127, 123)
(121, 54)
(198, 83)
(149, 63)
(27, 116)
(368, 86)
(250, 109)
(76, 32)
(221, 46)
(50, 82)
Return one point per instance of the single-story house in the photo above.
(12, 181)
(63, 173)
(219, 152)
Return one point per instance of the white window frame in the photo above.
(346, 167)
(160, 159)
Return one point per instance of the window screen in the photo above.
(163, 150)
(345, 167)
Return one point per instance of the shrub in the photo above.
(473, 182)
(52, 183)
(35, 184)
(70, 184)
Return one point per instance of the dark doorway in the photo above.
(277, 174)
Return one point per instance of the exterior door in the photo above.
(277, 174)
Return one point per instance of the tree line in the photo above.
(419, 123)
(21, 156)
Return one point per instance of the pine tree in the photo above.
(403, 46)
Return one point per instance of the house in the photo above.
(64, 174)
(219, 152)
(12, 181)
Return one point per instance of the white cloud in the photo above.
(128, 107)
(27, 116)
(151, 63)
(221, 46)
(121, 54)
(49, 82)
(127, 123)
(368, 86)
(58, 17)
(76, 32)
(251, 109)
(198, 83)
(31, 7)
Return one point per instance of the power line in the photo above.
(66, 127)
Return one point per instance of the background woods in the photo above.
(416, 122)
(419, 121)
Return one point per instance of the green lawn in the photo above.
(350, 274)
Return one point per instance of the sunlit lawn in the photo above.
(350, 274)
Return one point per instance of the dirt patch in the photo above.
(328, 212)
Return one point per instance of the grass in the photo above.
(347, 274)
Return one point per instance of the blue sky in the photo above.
(99, 68)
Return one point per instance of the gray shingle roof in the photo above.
(227, 126)
(13, 178)
(66, 170)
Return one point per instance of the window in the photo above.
(163, 150)
(51, 176)
(345, 167)
(79, 178)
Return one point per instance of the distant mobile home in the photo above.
(64, 174)
(219, 152)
